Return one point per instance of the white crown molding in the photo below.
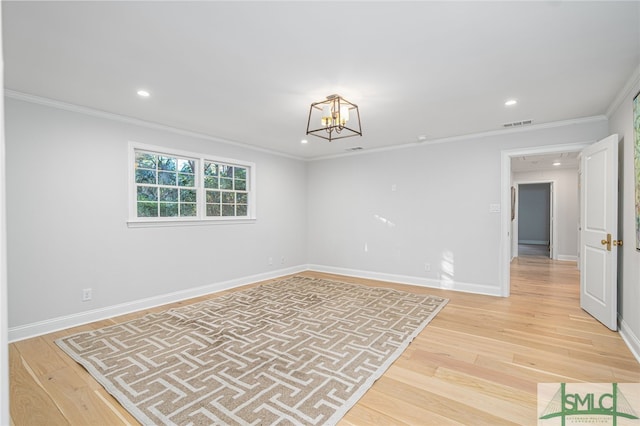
(627, 91)
(499, 132)
(135, 121)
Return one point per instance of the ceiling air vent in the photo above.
(518, 123)
(355, 148)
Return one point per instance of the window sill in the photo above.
(188, 222)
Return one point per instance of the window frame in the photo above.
(200, 218)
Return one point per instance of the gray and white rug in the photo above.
(295, 351)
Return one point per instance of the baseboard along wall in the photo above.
(632, 341)
(68, 321)
(568, 258)
(444, 283)
(60, 323)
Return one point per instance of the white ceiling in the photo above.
(248, 71)
(560, 160)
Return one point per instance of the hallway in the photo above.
(533, 250)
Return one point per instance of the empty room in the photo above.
(318, 213)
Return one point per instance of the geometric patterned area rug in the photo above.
(297, 351)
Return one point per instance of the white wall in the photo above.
(439, 212)
(67, 211)
(621, 122)
(567, 208)
(4, 355)
(381, 214)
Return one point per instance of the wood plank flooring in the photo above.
(477, 363)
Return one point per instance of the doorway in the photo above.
(535, 220)
(508, 226)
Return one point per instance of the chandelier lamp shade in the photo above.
(336, 117)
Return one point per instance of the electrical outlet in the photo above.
(427, 267)
(271, 261)
(282, 260)
(86, 294)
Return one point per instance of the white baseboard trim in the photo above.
(568, 257)
(632, 341)
(60, 323)
(407, 279)
(535, 242)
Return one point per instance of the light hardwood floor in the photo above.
(478, 362)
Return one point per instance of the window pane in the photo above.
(145, 176)
(211, 182)
(186, 180)
(188, 209)
(210, 169)
(240, 173)
(213, 209)
(228, 197)
(241, 197)
(168, 209)
(225, 171)
(228, 210)
(147, 209)
(213, 196)
(145, 160)
(226, 183)
(186, 166)
(188, 195)
(241, 210)
(166, 178)
(147, 193)
(167, 163)
(168, 194)
(241, 185)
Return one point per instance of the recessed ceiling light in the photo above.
(304, 141)
(510, 102)
(143, 93)
(557, 163)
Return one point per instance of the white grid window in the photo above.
(180, 187)
(225, 189)
(165, 185)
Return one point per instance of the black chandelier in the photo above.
(334, 114)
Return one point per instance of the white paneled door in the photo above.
(599, 227)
